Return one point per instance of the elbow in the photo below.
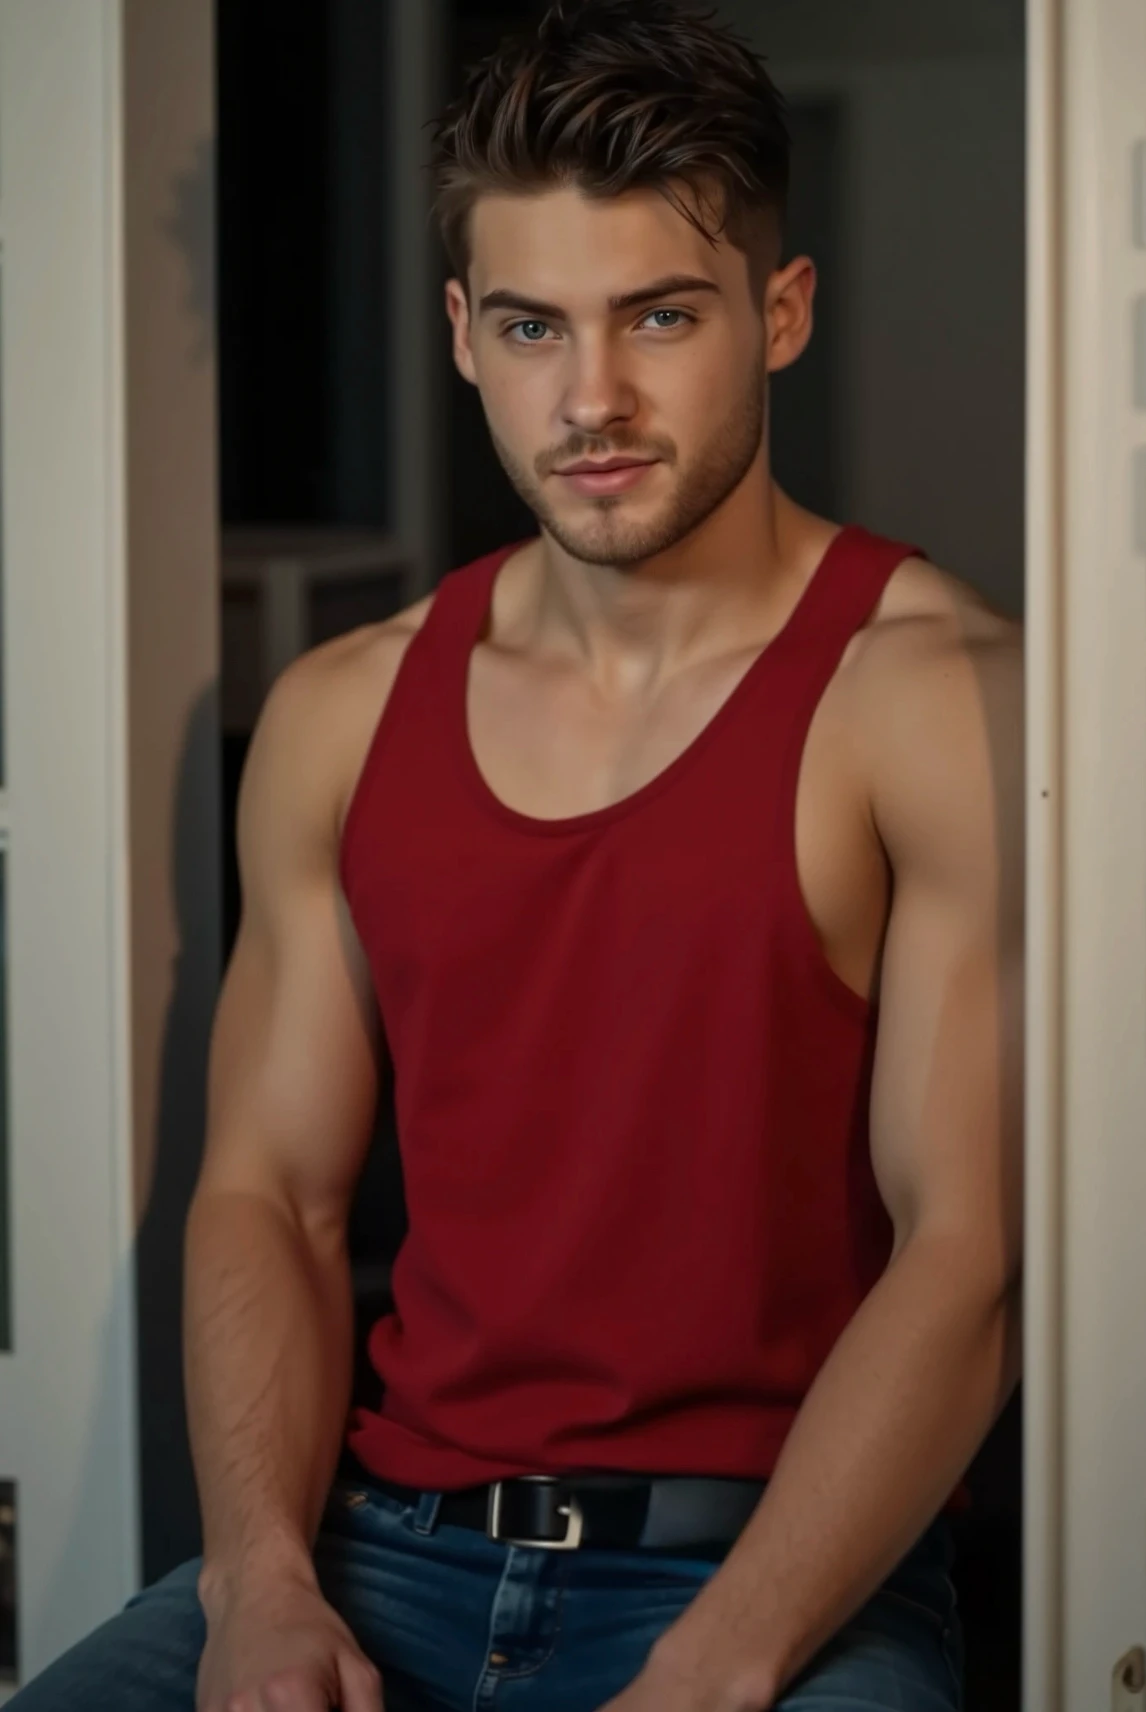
(988, 1279)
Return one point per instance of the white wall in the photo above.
(173, 514)
(168, 118)
(932, 366)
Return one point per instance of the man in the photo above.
(674, 855)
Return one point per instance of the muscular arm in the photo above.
(291, 1103)
(921, 1372)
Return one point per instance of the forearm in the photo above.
(268, 1334)
(894, 1417)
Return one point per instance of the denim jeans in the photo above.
(458, 1623)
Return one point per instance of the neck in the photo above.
(730, 584)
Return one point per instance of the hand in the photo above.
(280, 1646)
(669, 1684)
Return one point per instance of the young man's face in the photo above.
(606, 329)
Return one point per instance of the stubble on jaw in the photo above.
(608, 537)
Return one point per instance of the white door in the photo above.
(1085, 1545)
(66, 1385)
(108, 579)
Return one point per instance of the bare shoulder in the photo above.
(935, 687)
(932, 641)
(319, 718)
(926, 610)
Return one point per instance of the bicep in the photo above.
(292, 1084)
(293, 1077)
(946, 1112)
(947, 1087)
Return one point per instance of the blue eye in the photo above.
(672, 323)
(533, 332)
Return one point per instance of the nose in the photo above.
(597, 394)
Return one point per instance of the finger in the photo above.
(361, 1683)
(295, 1691)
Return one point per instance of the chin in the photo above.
(610, 540)
(619, 547)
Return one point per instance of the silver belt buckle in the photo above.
(572, 1511)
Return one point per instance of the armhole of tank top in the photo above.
(362, 791)
(806, 936)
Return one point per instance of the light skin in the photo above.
(611, 643)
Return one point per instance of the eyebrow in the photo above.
(673, 285)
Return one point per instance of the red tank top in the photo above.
(631, 1093)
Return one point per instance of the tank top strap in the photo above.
(427, 692)
(460, 608)
(839, 601)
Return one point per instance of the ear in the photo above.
(458, 310)
(788, 312)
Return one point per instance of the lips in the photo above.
(614, 476)
(591, 469)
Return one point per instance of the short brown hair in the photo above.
(617, 95)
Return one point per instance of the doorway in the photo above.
(912, 113)
(908, 166)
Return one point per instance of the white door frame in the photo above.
(1042, 1466)
(111, 620)
(1085, 1431)
(67, 1416)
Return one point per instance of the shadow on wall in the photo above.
(170, 1517)
(191, 228)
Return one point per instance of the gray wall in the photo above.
(930, 385)
(880, 30)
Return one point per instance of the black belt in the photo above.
(626, 1512)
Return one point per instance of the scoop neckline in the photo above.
(592, 819)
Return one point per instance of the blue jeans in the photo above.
(457, 1623)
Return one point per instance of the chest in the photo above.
(551, 747)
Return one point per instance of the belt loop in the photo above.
(426, 1512)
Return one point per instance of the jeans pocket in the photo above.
(922, 1581)
(954, 1652)
(920, 1607)
(921, 1611)
(350, 1507)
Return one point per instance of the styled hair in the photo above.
(608, 96)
